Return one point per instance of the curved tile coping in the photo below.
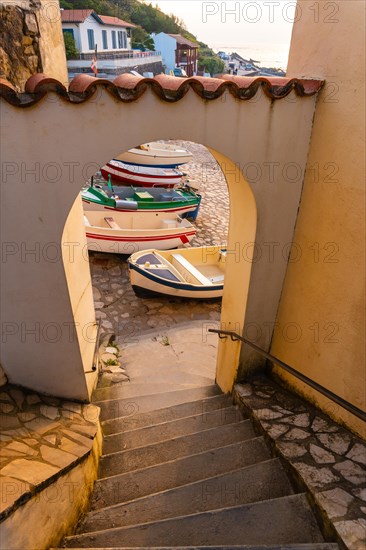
(128, 87)
(49, 457)
(325, 458)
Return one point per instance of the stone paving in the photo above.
(117, 306)
(40, 437)
(324, 456)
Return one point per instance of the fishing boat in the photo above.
(196, 272)
(129, 232)
(144, 176)
(163, 155)
(125, 199)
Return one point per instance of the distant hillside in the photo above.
(148, 19)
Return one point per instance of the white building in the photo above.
(109, 34)
(177, 51)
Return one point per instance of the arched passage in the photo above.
(53, 146)
(242, 231)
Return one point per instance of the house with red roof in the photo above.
(177, 52)
(89, 30)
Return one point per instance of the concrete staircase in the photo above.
(188, 471)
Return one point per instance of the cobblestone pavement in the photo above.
(326, 457)
(115, 302)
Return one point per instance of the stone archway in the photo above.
(53, 146)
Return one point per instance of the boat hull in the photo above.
(137, 176)
(156, 154)
(193, 273)
(149, 287)
(138, 199)
(133, 232)
(180, 210)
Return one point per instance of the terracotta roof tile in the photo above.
(129, 87)
(40, 83)
(183, 41)
(274, 87)
(110, 20)
(75, 16)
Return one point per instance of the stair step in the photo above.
(154, 479)
(125, 405)
(177, 447)
(278, 521)
(175, 428)
(250, 484)
(142, 420)
(312, 546)
(149, 387)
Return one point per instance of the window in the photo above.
(69, 31)
(124, 40)
(120, 40)
(91, 39)
(114, 41)
(105, 40)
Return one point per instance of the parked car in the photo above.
(178, 71)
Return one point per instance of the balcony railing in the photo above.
(125, 54)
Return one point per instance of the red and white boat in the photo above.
(129, 232)
(143, 176)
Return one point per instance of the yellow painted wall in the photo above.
(321, 320)
(76, 264)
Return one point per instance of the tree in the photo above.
(70, 46)
(212, 65)
(142, 40)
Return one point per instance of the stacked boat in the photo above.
(139, 206)
(141, 211)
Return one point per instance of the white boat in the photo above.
(129, 232)
(196, 272)
(144, 176)
(154, 153)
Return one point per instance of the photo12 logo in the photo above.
(269, 12)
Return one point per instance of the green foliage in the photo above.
(142, 40)
(211, 64)
(70, 46)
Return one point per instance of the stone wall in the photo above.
(19, 51)
(32, 41)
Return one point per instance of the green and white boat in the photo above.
(127, 199)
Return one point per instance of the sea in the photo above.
(269, 56)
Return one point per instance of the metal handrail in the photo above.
(318, 387)
(96, 349)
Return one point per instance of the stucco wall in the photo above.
(321, 319)
(81, 35)
(68, 144)
(166, 45)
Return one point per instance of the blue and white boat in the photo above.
(196, 272)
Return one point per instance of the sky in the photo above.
(261, 26)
